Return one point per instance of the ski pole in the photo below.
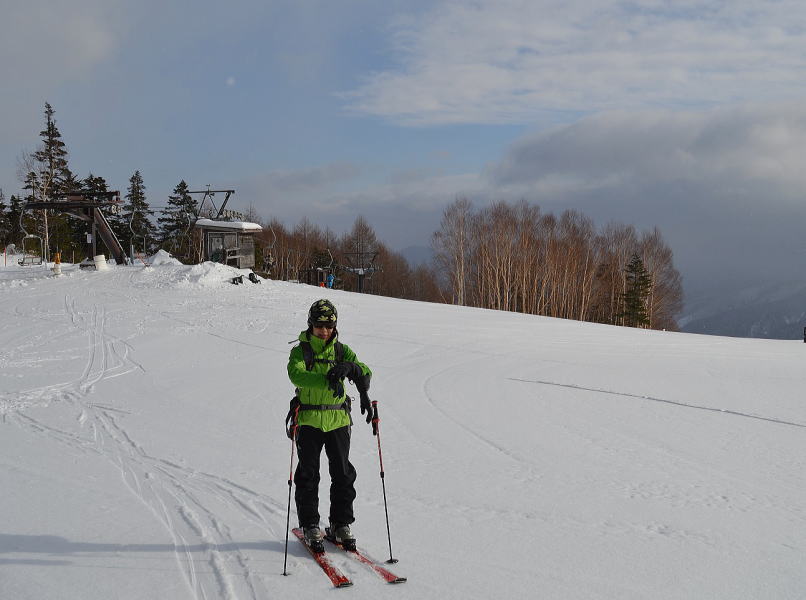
(290, 481)
(377, 433)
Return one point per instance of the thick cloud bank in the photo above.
(724, 186)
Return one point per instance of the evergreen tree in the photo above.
(136, 213)
(176, 219)
(70, 183)
(31, 183)
(638, 287)
(5, 225)
(50, 161)
(14, 210)
(91, 183)
(45, 171)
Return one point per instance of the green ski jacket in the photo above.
(312, 385)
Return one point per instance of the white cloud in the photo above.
(43, 46)
(340, 187)
(50, 42)
(504, 61)
(760, 143)
(307, 179)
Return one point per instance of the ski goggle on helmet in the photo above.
(322, 314)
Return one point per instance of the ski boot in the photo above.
(341, 534)
(314, 538)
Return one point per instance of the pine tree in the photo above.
(136, 213)
(91, 183)
(638, 287)
(51, 158)
(5, 224)
(70, 182)
(14, 211)
(46, 170)
(176, 220)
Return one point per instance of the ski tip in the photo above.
(399, 580)
(344, 584)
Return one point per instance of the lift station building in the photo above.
(228, 242)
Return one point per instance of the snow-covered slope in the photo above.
(142, 450)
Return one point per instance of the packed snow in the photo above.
(143, 453)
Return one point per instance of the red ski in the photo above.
(362, 557)
(338, 578)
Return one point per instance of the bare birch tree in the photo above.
(666, 295)
(452, 248)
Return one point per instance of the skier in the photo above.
(317, 367)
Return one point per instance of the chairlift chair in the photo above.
(32, 250)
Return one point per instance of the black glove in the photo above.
(338, 372)
(366, 406)
(362, 384)
(350, 370)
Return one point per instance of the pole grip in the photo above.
(375, 418)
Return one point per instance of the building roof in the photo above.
(228, 225)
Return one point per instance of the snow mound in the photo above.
(211, 274)
(172, 273)
(163, 258)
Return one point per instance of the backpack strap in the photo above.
(307, 355)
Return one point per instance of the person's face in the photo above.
(323, 332)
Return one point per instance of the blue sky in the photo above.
(686, 115)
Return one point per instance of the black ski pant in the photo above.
(310, 441)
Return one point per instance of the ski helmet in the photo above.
(322, 312)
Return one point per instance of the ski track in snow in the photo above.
(472, 432)
(663, 401)
(186, 502)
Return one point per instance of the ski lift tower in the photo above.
(362, 264)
